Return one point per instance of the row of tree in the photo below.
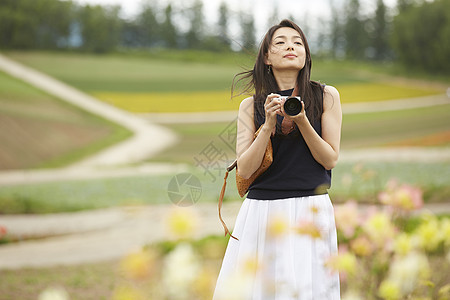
(417, 32)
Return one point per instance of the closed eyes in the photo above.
(282, 43)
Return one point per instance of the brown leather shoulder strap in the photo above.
(222, 193)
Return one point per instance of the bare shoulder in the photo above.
(246, 103)
(246, 107)
(245, 116)
(331, 97)
(331, 91)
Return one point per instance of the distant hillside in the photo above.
(38, 130)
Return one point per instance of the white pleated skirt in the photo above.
(281, 252)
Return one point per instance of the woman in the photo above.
(285, 227)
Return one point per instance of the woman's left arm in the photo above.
(325, 149)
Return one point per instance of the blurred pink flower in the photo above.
(403, 197)
(309, 228)
(347, 218)
(3, 231)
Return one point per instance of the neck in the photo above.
(286, 80)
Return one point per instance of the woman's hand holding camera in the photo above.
(275, 105)
(272, 107)
(293, 108)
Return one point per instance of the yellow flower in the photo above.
(361, 246)
(444, 292)
(138, 265)
(204, 284)
(445, 229)
(429, 234)
(278, 226)
(404, 199)
(315, 210)
(127, 293)
(309, 228)
(182, 222)
(344, 263)
(403, 244)
(389, 290)
(379, 228)
(251, 265)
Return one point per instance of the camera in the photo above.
(292, 105)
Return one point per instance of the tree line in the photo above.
(415, 32)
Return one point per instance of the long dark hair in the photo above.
(262, 81)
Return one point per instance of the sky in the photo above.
(312, 10)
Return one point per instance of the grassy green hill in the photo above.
(38, 130)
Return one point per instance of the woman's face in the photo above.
(286, 51)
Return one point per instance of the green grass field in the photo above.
(117, 73)
(359, 180)
(396, 128)
(157, 83)
(38, 130)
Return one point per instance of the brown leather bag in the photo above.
(242, 183)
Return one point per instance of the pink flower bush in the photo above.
(401, 196)
(3, 231)
(347, 218)
(379, 228)
(379, 258)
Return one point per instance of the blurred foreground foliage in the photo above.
(389, 251)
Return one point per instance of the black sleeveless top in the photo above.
(294, 171)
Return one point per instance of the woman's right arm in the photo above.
(250, 153)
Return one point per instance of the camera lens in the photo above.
(292, 106)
